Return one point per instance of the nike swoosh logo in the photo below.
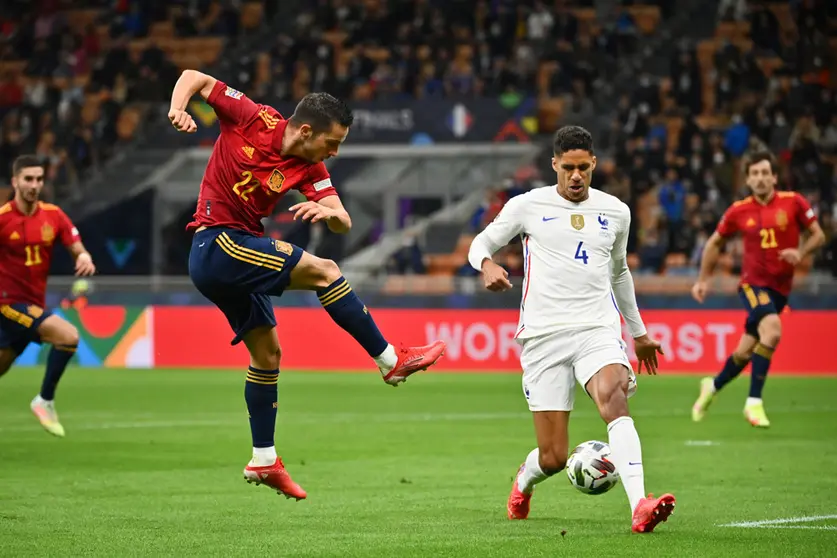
(201, 244)
(632, 463)
(545, 219)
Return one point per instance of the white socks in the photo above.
(387, 360)
(532, 473)
(753, 401)
(263, 457)
(626, 453)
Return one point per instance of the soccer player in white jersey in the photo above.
(576, 274)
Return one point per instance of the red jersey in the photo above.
(245, 176)
(767, 229)
(26, 243)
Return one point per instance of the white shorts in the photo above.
(552, 362)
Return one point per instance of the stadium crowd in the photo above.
(674, 143)
(75, 77)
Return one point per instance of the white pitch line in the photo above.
(782, 522)
(702, 443)
(98, 421)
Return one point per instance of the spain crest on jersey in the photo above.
(284, 247)
(275, 181)
(781, 219)
(577, 221)
(47, 233)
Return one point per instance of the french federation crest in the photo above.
(577, 221)
(275, 181)
(47, 233)
(781, 219)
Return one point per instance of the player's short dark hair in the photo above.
(568, 138)
(758, 156)
(320, 110)
(25, 162)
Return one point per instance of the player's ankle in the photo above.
(753, 401)
(387, 360)
(263, 457)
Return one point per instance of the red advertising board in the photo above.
(694, 341)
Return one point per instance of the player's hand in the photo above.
(496, 278)
(312, 211)
(84, 265)
(646, 350)
(699, 291)
(182, 121)
(791, 255)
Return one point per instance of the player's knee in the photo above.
(552, 460)
(742, 356)
(770, 330)
(320, 273)
(612, 399)
(66, 335)
(329, 271)
(267, 360)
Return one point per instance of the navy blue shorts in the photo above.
(760, 302)
(239, 272)
(19, 323)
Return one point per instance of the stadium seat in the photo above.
(646, 17)
(251, 15)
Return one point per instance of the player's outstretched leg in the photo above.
(64, 339)
(770, 332)
(349, 312)
(609, 389)
(261, 394)
(549, 458)
(736, 362)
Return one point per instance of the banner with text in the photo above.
(479, 340)
(416, 121)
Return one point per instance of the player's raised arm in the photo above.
(189, 83)
(231, 106)
(498, 233)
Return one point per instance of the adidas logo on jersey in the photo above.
(248, 151)
(269, 120)
(14, 236)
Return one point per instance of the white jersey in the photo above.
(568, 249)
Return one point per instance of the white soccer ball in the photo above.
(590, 469)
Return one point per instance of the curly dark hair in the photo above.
(568, 138)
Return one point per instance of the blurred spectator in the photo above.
(77, 80)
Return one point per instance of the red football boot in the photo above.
(275, 476)
(518, 504)
(412, 360)
(652, 511)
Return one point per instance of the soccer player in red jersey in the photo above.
(770, 223)
(258, 157)
(28, 231)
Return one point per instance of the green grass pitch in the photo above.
(152, 462)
